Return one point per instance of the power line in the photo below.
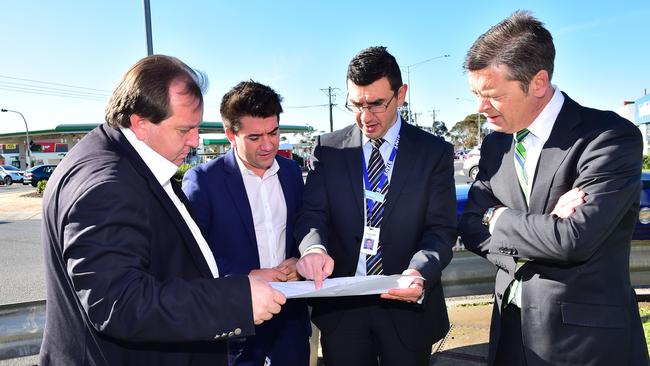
(47, 82)
(306, 106)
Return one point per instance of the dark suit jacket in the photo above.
(220, 203)
(578, 306)
(126, 281)
(418, 228)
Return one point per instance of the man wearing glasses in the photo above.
(384, 180)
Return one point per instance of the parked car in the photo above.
(470, 164)
(641, 232)
(10, 174)
(37, 174)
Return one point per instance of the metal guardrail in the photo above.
(21, 329)
(21, 324)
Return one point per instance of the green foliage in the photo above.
(465, 132)
(178, 176)
(646, 162)
(644, 311)
(40, 186)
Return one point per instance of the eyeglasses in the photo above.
(374, 108)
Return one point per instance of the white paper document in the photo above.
(343, 286)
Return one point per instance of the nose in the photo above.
(365, 115)
(484, 104)
(193, 138)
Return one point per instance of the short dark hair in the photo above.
(144, 90)
(372, 64)
(249, 98)
(519, 42)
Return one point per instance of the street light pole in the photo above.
(408, 78)
(27, 153)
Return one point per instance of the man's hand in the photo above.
(567, 204)
(315, 265)
(269, 274)
(288, 268)
(266, 300)
(412, 293)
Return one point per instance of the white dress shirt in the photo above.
(269, 210)
(385, 150)
(163, 170)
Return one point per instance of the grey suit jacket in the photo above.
(417, 231)
(578, 306)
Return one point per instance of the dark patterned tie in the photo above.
(375, 171)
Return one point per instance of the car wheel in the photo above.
(34, 183)
(473, 173)
(8, 181)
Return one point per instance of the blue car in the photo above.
(642, 231)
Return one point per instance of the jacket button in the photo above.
(238, 331)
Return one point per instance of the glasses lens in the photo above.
(377, 108)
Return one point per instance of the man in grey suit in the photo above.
(389, 184)
(554, 207)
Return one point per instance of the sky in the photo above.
(60, 60)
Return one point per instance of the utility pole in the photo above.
(329, 93)
(433, 119)
(415, 118)
(147, 27)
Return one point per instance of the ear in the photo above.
(139, 126)
(540, 84)
(401, 94)
(231, 137)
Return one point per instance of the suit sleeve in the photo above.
(107, 251)
(313, 218)
(608, 172)
(439, 232)
(198, 193)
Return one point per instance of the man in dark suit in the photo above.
(554, 207)
(245, 203)
(384, 180)
(130, 279)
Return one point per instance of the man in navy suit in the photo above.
(245, 203)
(130, 278)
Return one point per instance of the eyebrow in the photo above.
(376, 101)
(260, 134)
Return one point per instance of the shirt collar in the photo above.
(161, 168)
(244, 170)
(391, 135)
(543, 124)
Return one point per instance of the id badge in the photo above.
(375, 196)
(370, 241)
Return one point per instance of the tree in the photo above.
(404, 112)
(465, 133)
(439, 129)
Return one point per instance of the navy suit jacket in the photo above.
(219, 201)
(126, 281)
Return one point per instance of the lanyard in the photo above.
(384, 175)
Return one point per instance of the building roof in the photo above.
(83, 128)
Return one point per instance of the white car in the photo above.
(470, 164)
(10, 174)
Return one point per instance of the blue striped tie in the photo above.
(375, 171)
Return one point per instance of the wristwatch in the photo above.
(488, 215)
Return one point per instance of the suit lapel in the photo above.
(510, 176)
(159, 193)
(354, 159)
(404, 163)
(237, 190)
(555, 149)
(287, 187)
